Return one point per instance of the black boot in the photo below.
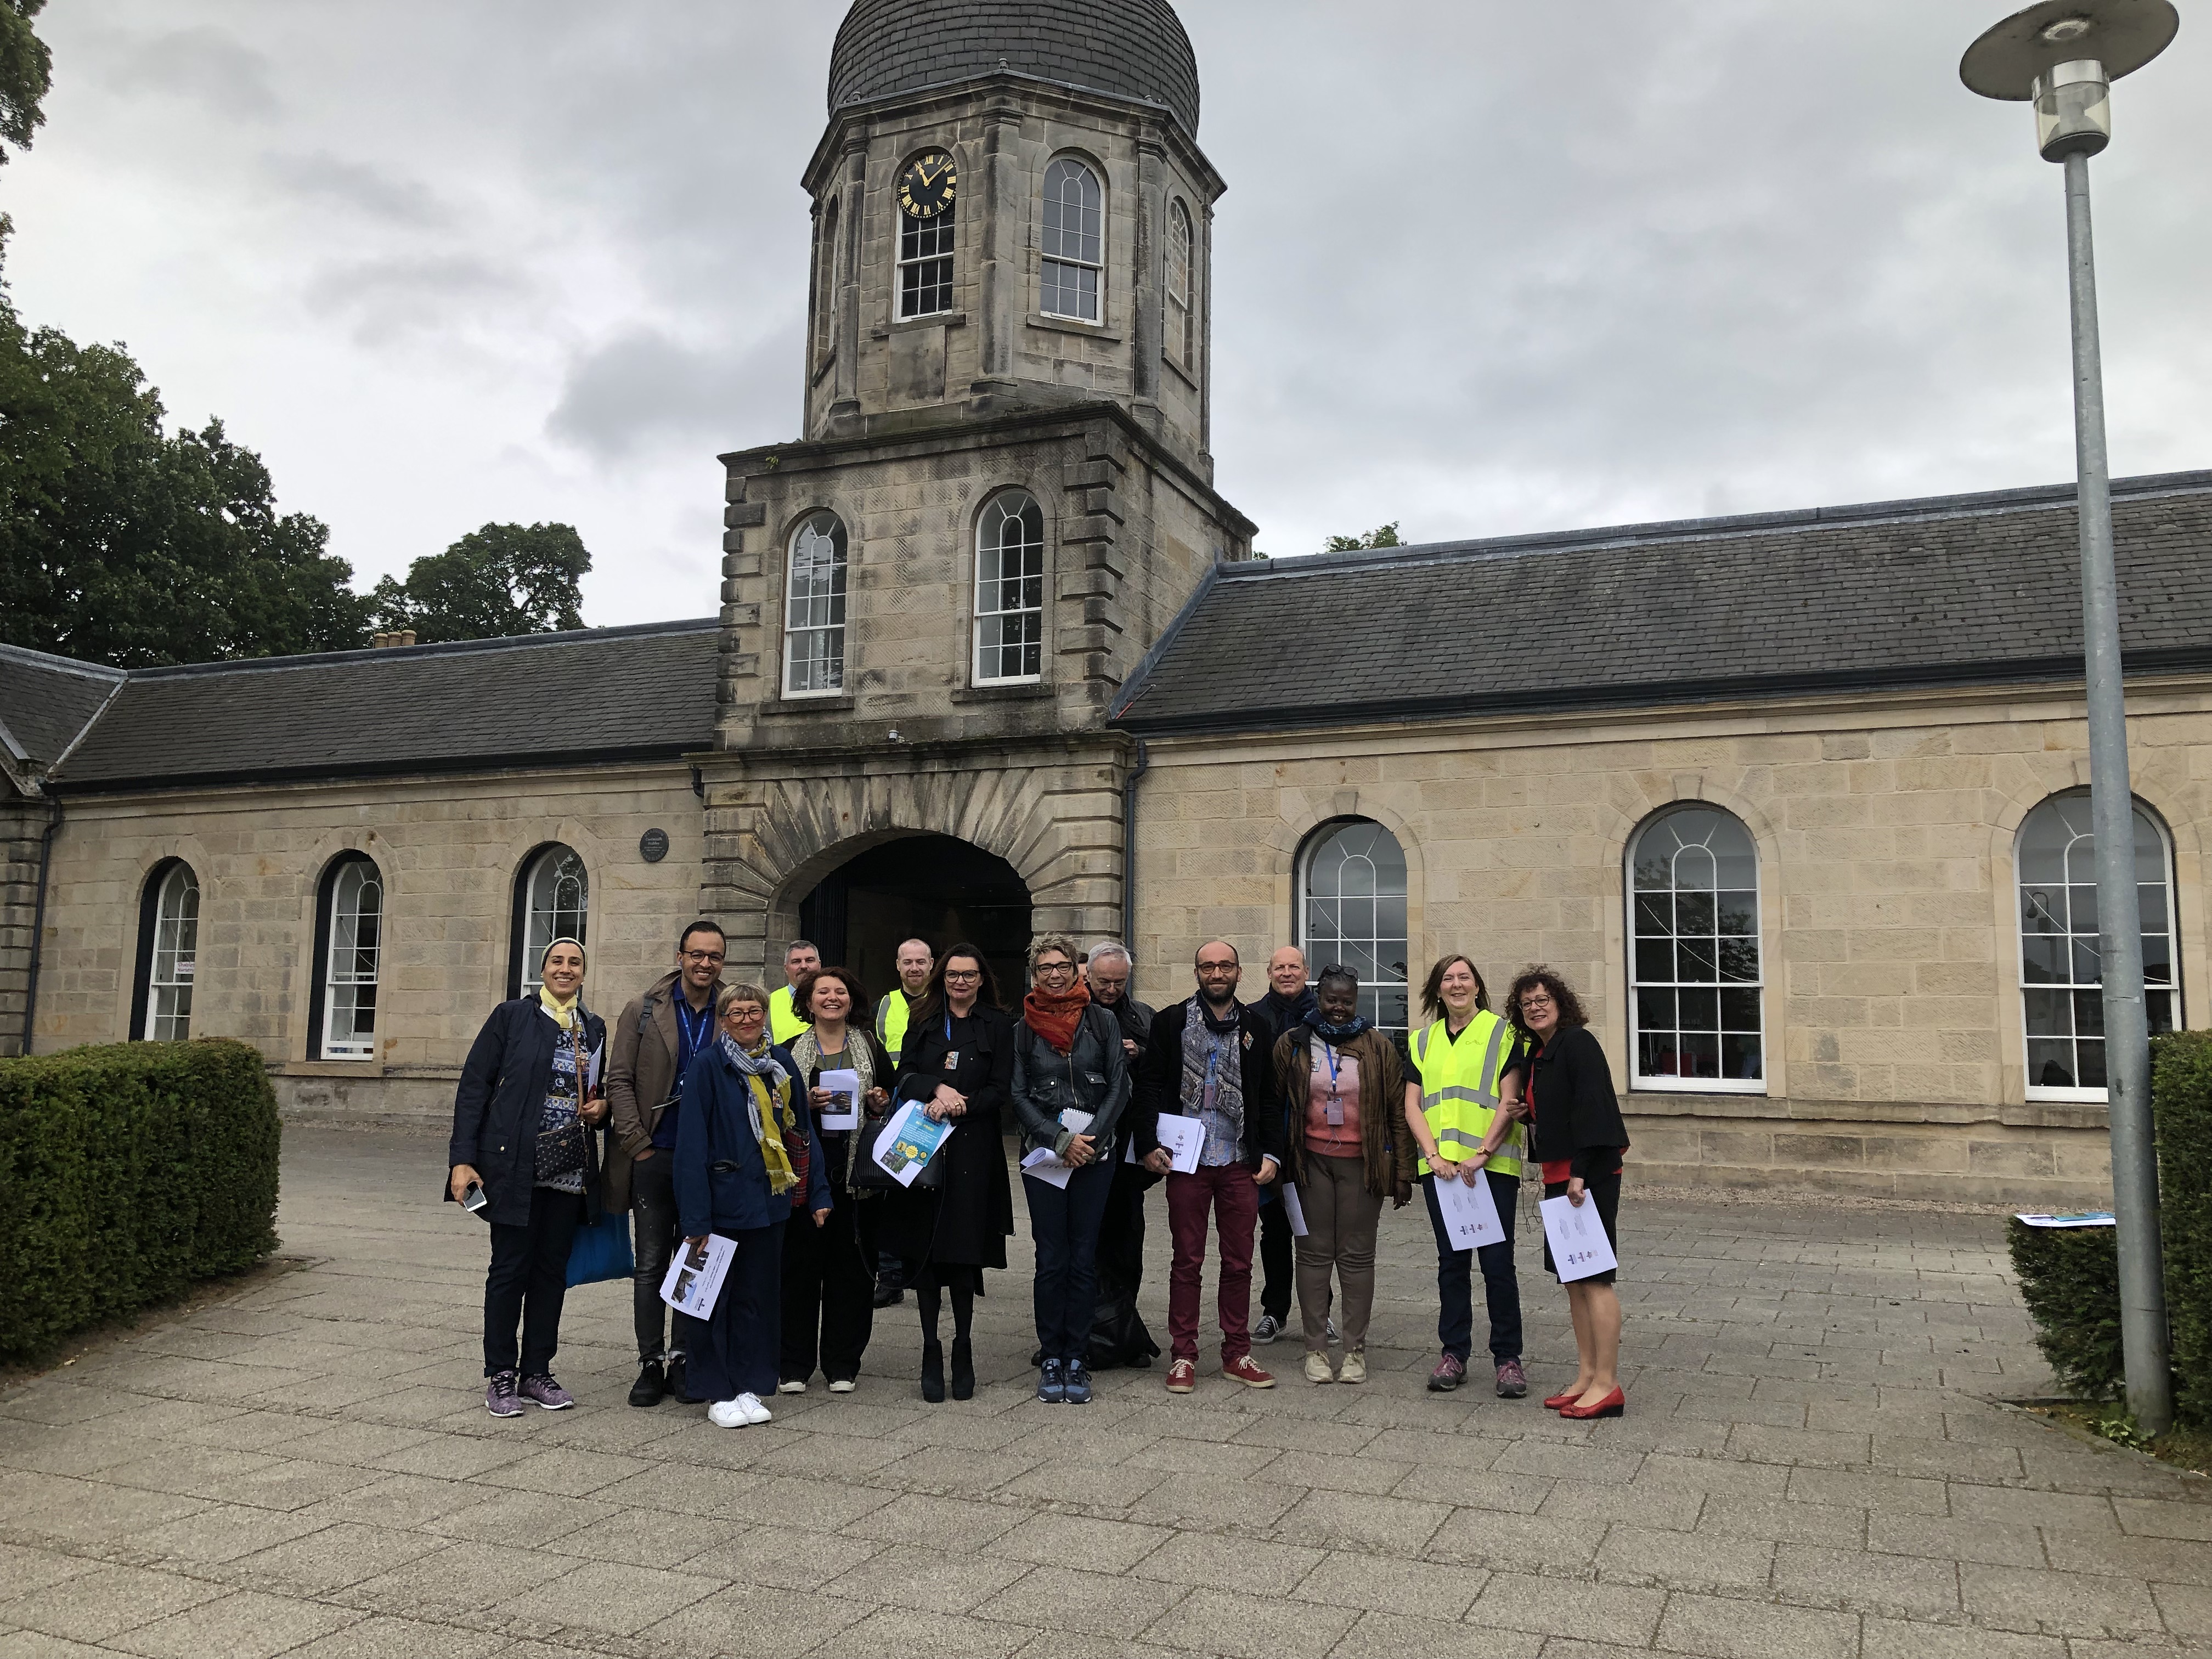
(652, 1383)
(963, 1369)
(932, 1371)
(679, 1386)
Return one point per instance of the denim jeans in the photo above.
(1065, 1223)
(653, 1223)
(528, 1281)
(1456, 1278)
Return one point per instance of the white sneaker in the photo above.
(751, 1406)
(791, 1387)
(843, 1385)
(728, 1413)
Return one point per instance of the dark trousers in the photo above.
(1456, 1278)
(1065, 1223)
(653, 1222)
(1276, 1275)
(734, 1350)
(828, 1288)
(528, 1281)
(1233, 1197)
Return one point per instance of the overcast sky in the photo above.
(1482, 267)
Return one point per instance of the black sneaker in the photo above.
(678, 1387)
(652, 1384)
(1078, 1384)
(889, 1293)
(1051, 1389)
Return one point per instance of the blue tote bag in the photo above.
(601, 1251)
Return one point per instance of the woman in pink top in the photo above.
(1339, 1076)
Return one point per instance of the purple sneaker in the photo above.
(546, 1391)
(500, 1398)
(1512, 1380)
(1450, 1372)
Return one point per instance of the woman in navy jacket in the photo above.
(519, 1085)
(747, 1156)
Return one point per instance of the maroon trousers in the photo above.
(1234, 1197)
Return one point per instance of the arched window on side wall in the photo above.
(349, 958)
(2061, 964)
(168, 954)
(1182, 333)
(1010, 590)
(1696, 1009)
(552, 900)
(825, 288)
(1073, 271)
(814, 608)
(1351, 912)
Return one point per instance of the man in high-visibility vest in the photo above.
(1462, 1100)
(916, 963)
(801, 960)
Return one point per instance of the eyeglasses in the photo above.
(1044, 968)
(1217, 966)
(702, 955)
(963, 976)
(744, 1011)
(1536, 999)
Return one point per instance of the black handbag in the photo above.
(566, 1151)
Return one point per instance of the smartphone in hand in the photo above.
(474, 1201)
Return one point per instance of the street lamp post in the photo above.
(2062, 55)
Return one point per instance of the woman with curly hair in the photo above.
(1579, 1138)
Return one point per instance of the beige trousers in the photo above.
(1341, 1216)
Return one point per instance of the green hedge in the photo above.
(127, 1173)
(2069, 1278)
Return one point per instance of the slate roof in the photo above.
(1953, 590)
(1133, 48)
(599, 694)
(46, 701)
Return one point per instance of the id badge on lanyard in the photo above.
(952, 1055)
(1333, 1110)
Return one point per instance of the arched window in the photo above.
(1183, 335)
(825, 297)
(2061, 962)
(925, 257)
(1351, 912)
(1075, 242)
(1696, 1019)
(1010, 590)
(350, 954)
(551, 901)
(168, 953)
(814, 608)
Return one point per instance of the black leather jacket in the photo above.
(1092, 1077)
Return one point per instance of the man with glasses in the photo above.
(915, 962)
(783, 1021)
(1211, 1059)
(652, 1048)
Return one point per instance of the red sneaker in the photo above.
(1248, 1374)
(1182, 1377)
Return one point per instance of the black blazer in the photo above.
(500, 1101)
(1159, 1084)
(1577, 1114)
(966, 1222)
(1092, 1077)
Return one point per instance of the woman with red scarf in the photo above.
(1071, 1084)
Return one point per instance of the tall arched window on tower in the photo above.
(814, 608)
(168, 953)
(1696, 1012)
(552, 900)
(928, 210)
(1183, 335)
(349, 953)
(2061, 961)
(1075, 242)
(1010, 590)
(1351, 912)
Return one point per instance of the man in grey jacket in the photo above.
(652, 1048)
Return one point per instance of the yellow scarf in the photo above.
(772, 1114)
(563, 1013)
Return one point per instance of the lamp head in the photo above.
(2063, 55)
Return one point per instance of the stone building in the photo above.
(1795, 799)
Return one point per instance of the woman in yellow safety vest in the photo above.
(1463, 1096)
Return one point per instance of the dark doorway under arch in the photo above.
(934, 887)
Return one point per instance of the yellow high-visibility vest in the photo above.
(891, 1024)
(783, 1021)
(1460, 1089)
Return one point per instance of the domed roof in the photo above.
(1134, 48)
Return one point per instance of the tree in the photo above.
(495, 582)
(26, 73)
(123, 544)
(1383, 536)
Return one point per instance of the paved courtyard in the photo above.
(1812, 1468)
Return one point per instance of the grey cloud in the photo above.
(205, 63)
(358, 188)
(645, 389)
(393, 298)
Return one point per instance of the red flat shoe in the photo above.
(1559, 1400)
(1614, 1405)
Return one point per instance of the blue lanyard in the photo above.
(1331, 1054)
(693, 1038)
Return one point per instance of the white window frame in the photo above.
(1087, 252)
(171, 966)
(941, 233)
(801, 621)
(1372, 992)
(1638, 1079)
(349, 968)
(1182, 309)
(2082, 848)
(547, 912)
(991, 614)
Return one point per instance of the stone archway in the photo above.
(934, 887)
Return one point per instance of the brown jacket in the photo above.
(1386, 1144)
(640, 1071)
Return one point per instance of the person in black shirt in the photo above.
(1120, 1336)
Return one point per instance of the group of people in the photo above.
(1294, 1118)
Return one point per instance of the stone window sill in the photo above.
(1075, 325)
(1035, 693)
(332, 1068)
(808, 705)
(907, 325)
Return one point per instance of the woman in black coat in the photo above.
(958, 1057)
(1580, 1139)
(527, 1135)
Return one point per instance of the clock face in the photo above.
(925, 188)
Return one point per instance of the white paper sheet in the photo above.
(1470, 1213)
(1185, 1139)
(848, 1084)
(908, 1140)
(695, 1278)
(1293, 1211)
(1047, 1168)
(2077, 1218)
(1579, 1246)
